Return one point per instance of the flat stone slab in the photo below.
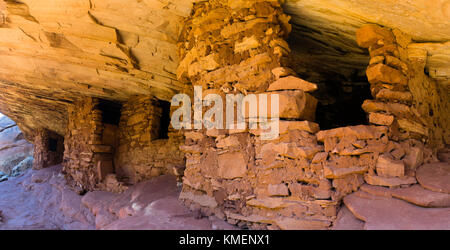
(376, 190)
(383, 213)
(422, 197)
(435, 177)
(347, 221)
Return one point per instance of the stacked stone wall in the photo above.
(141, 154)
(297, 181)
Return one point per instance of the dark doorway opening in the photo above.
(340, 103)
(111, 112)
(52, 145)
(164, 119)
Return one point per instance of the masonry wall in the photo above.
(141, 154)
(297, 181)
(48, 149)
(405, 99)
(89, 149)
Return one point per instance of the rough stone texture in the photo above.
(140, 153)
(84, 145)
(316, 44)
(238, 176)
(422, 197)
(41, 200)
(48, 149)
(57, 73)
(347, 221)
(398, 83)
(110, 145)
(435, 177)
(13, 147)
(119, 49)
(381, 213)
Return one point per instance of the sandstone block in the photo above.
(204, 64)
(202, 200)
(232, 165)
(330, 143)
(362, 132)
(388, 167)
(215, 132)
(135, 119)
(320, 157)
(396, 63)
(413, 158)
(268, 202)
(331, 172)
(230, 141)
(388, 94)
(292, 83)
(292, 105)
(278, 190)
(247, 43)
(194, 135)
(282, 72)
(381, 73)
(376, 60)
(389, 181)
(191, 149)
(396, 109)
(381, 119)
(308, 126)
(306, 191)
(369, 35)
(296, 152)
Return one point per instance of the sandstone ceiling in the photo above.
(55, 51)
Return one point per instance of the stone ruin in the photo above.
(297, 181)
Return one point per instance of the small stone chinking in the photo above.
(299, 180)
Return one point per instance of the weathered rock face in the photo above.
(101, 79)
(98, 50)
(14, 149)
(115, 49)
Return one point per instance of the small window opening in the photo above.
(340, 103)
(165, 119)
(111, 112)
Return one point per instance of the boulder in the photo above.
(13, 147)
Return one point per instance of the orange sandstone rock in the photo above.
(292, 83)
(381, 73)
(370, 35)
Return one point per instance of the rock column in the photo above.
(239, 47)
